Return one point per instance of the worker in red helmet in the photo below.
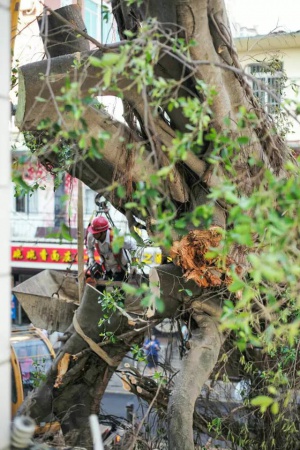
(100, 237)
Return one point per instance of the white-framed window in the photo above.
(271, 76)
(99, 20)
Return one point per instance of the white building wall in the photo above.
(28, 43)
(5, 190)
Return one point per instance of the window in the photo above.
(271, 75)
(27, 203)
(98, 20)
(89, 201)
(21, 204)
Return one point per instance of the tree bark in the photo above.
(167, 282)
(203, 354)
(72, 397)
(60, 39)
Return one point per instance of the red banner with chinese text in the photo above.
(58, 255)
(44, 255)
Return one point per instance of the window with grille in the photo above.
(270, 76)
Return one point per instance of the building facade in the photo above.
(274, 60)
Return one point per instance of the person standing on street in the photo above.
(152, 348)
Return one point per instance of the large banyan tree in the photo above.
(192, 129)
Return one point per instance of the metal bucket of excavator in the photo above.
(49, 299)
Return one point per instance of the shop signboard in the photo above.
(65, 257)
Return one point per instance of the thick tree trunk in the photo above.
(196, 369)
(205, 306)
(72, 395)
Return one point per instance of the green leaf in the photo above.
(181, 223)
(236, 285)
(65, 232)
(263, 401)
(107, 77)
(82, 143)
(164, 171)
(159, 305)
(129, 33)
(40, 99)
(242, 140)
(272, 390)
(110, 59)
(211, 254)
(131, 290)
(188, 292)
(117, 243)
(275, 408)
(121, 191)
(96, 62)
(131, 205)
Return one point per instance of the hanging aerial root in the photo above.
(191, 253)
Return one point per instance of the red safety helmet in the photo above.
(98, 225)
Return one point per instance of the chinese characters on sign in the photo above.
(44, 254)
(64, 255)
